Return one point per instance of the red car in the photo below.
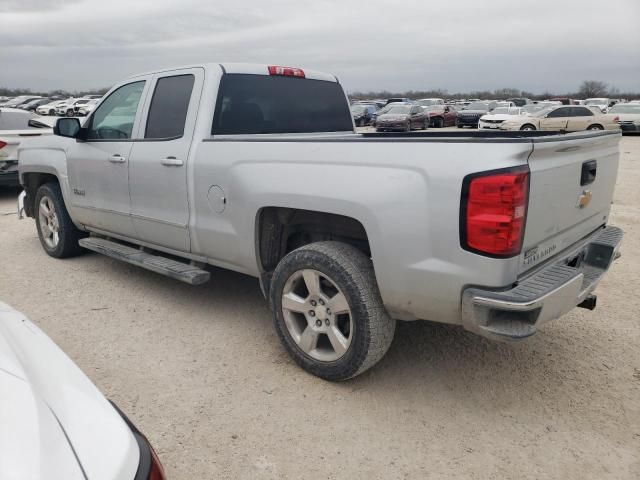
(441, 115)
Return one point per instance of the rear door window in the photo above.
(581, 112)
(249, 104)
(169, 106)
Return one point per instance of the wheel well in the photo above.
(282, 230)
(595, 125)
(528, 125)
(31, 183)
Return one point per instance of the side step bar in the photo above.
(165, 266)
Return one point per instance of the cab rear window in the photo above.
(250, 104)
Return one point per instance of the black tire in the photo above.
(595, 126)
(68, 234)
(407, 127)
(352, 272)
(439, 122)
(425, 125)
(52, 112)
(460, 126)
(69, 113)
(528, 127)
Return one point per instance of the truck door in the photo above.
(98, 167)
(556, 119)
(159, 162)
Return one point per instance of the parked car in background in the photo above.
(602, 103)
(493, 119)
(15, 126)
(55, 422)
(441, 115)
(50, 108)
(627, 115)
(32, 105)
(377, 103)
(399, 100)
(470, 115)
(363, 114)
(531, 109)
(403, 117)
(425, 102)
(504, 104)
(568, 118)
(85, 109)
(519, 101)
(564, 100)
(67, 109)
(17, 101)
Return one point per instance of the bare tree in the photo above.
(593, 88)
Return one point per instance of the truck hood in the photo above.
(497, 116)
(393, 117)
(54, 421)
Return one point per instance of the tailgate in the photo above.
(566, 203)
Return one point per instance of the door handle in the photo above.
(117, 158)
(171, 162)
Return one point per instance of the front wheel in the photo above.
(58, 235)
(328, 311)
(527, 128)
(595, 127)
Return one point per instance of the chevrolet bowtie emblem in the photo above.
(584, 198)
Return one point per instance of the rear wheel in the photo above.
(527, 127)
(58, 235)
(595, 127)
(439, 122)
(328, 311)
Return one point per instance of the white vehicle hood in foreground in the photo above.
(497, 116)
(54, 423)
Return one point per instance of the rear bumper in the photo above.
(549, 293)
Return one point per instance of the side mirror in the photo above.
(67, 127)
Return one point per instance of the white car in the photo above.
(55, 423)
(67, 109)
(601, 103)
(627, 115)
(85, 109)
(50, 108)
(15, 126)
(498, 115)
(426, 102)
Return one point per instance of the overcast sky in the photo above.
(458, 45)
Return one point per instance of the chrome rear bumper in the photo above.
(549, 293)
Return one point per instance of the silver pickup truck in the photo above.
(259, 169)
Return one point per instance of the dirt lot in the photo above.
(200, 370)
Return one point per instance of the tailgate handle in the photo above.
(588, 174)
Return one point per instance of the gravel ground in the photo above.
(201, 372)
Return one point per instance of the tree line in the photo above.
(588, 89)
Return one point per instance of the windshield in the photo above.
(543, 112)
(358, 109)
(399, 109)
(427, 102)
(506, 110)
(625, 109)
(596, 101)
(478, 106)
(531, 108)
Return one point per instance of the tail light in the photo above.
(494, 211)
(2, 144)
(286, 71)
